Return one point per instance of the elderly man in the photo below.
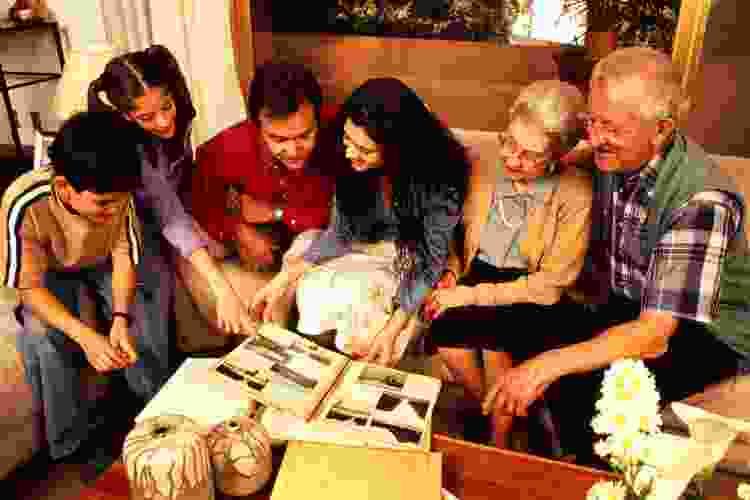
(668, 253)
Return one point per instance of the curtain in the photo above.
(199, 34)
(127, 24)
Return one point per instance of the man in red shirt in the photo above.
(253, 187)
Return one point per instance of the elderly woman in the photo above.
(526, 226)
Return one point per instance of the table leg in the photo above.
(11, 114)
(58, 43)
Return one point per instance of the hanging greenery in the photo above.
(637, 22)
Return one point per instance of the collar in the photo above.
(538, 187)
(58, 201)
(645, 178)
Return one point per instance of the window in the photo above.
(545, 20)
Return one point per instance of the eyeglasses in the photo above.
(510, 147)
(603, 127)
(368, 153)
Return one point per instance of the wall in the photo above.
(33, 52)
(469, 84)
(721, 103)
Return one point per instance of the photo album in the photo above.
(305, 391)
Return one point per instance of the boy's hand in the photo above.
(100, 353)
(122, 341)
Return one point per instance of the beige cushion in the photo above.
(739, 170)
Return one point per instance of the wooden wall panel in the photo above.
(469, 84)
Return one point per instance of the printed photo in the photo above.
(390, 380)
(403, 436)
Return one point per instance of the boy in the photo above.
(64, 226)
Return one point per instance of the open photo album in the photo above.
(308, 392)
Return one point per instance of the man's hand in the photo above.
(520, 386)
(232, 314)
(254, 247)
(101, 354)
(443, 299)
(255, 211)
(121, 340)
(267, 298)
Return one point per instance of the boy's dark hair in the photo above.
(280, 88)
(98, 152)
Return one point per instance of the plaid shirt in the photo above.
(682, 275)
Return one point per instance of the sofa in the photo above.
(20, 421)
(729, 399)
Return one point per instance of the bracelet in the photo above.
(128, 317)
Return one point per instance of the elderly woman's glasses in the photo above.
(510, 147)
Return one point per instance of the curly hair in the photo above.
(421, 157)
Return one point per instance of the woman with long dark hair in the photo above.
(148, 88)
(403, 181)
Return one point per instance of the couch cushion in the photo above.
(739, 170)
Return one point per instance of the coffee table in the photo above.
(470, 471)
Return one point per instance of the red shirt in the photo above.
(236, 158)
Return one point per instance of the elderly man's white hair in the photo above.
(556, 106)
(645, 78)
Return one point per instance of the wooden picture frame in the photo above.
(688, 41)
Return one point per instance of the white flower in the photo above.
(629, 380)
(644, 480)
(743, 491)
(606, 490)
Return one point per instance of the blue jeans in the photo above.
(53, 360)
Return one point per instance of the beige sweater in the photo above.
(555, 244)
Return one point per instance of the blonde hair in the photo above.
(645, 78)
(554, 105)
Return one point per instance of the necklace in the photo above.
(505, 220)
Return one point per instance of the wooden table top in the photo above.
(470, 471)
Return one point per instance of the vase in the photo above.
(240, 451)
(167, 458)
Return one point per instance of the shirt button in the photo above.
(285, 196)
(293, 222)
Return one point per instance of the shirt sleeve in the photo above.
(431, 256)
(129, 239)
(176, 224)
(210, 195)
(335, 241)
(28, 257)
(685, 272)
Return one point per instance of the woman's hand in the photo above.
(386, 347)
(443, 299)
(122, 341)
(448, 280)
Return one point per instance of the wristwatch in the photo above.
(278, 214)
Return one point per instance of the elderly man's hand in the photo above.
(515, 390)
